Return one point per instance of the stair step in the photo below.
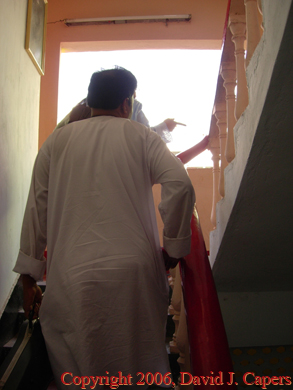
(11, 342)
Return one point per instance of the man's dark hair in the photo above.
(109, 88)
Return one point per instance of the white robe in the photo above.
(139, 116)
(91, 204)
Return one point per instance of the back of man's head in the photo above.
(109, 88)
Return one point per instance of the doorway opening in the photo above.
(172, 83)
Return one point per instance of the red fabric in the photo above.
(209, 350)
(226, 22)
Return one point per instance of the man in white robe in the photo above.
(91, 204)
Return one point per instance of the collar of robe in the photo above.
(115, 116)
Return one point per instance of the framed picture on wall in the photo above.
(35, 39)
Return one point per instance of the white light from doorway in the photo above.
(176, 84)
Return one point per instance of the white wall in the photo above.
(19, 117)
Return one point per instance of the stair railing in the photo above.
(243, 33)
(179, 344)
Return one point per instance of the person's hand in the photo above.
(170, 262)
(32, 296)
(170, 123)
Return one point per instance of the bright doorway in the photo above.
(176, 84)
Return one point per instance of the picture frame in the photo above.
(35, 37)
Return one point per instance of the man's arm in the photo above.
(163, 129)
(31, 262)
(194, 151)
(178, 197)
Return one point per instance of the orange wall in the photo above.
(204, 31)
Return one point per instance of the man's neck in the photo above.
(99, 112)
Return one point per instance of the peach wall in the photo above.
(204, 31)
(202, 179)
(19, 119)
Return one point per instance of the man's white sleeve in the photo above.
(161, 129)
(178, 196)
(33, 239)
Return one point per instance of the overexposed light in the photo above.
(176, 84)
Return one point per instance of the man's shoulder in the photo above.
(138, 127)
(62, 132)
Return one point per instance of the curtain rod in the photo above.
(127, 19)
